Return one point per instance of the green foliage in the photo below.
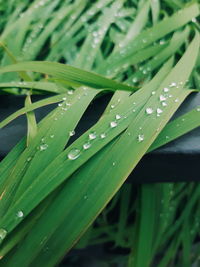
(147, 54)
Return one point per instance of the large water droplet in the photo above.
(20, 214)
(140, 137)
(149, 111)
(43, 147)
(73, 154)
(3, 234)
(92, 135)
(86, 145)
(113, 124)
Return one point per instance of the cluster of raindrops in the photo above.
(36, 30)
(97, 37)
(74, 153)
(163, 97)
(169, 205)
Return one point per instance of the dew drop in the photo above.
(198, 109)
(52, 136)
(167, 137)
(68, 104)
(176, 100)
(86, 145)
(103, 135)
(112, 106)
(29, 159)
(71, 133)
(166, 89)
(164, 104)
(153, 92)
(64, 98)
(60, 104)
(162, 98)
(173, 84)
(113, 163)
(92, 136)
(134, 80)
(162, 42)
(118, 117)
(144, 71)
(96, 40)
(20, 214)
(43, 147)
(3, 234)
(73, 154)
(70, 92)
(149, 111)
(140, 137)
(159, 111)
(113, 124)
(95, 34)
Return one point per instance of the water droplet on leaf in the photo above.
(43, 147)
(73, 154)
(149, 111)
(86, 145)
(92, 135)
(159, 111)
(118, 117)
(3, 234)
(113, 124)
(140, 137)
(20, 214)
(71, 133)
(103, 135)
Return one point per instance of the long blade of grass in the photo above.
(68, 73)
